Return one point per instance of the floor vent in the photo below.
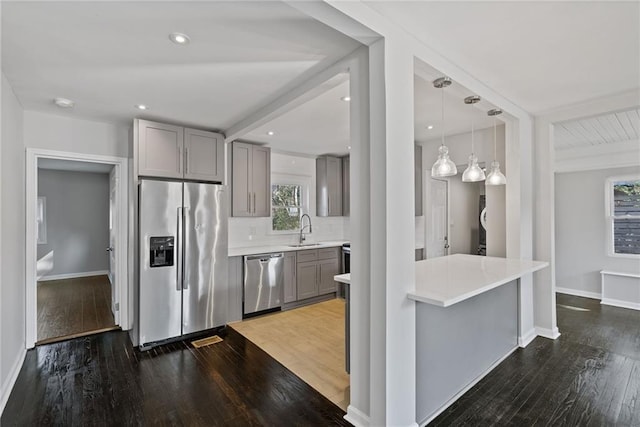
(206, 341)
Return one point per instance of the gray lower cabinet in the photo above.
(290, 288)
(315, 269)
(307, 276)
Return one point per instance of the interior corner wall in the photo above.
(581, 230)
(12, 248)
(61, 133)
(77, 216)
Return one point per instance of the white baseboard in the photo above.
(527, 338)
(11, 379)
(579, 293)
(73, 275)
(357, 417)
(466, 389)
(619, 303)
(552, 334)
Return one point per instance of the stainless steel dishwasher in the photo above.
(263, 282)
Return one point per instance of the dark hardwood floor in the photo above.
(101, 380)
(590, 376)
(72, 307)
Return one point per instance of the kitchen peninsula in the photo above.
(467, 320)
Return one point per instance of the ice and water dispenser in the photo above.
(161, 251)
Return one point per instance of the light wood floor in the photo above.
(309, 341)
(73, 307)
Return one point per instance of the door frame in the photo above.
(121, 165)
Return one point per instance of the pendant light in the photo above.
(443, 166)
(472, 173)
(495, 177)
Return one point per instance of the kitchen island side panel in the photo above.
(457, 344)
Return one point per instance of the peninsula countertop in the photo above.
(448, 280)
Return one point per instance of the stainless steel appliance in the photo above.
(482, 231)
(263, 282)
(183, 259)
(346, 258)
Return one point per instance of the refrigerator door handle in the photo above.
(179, 250)
(185, 238)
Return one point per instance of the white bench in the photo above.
(621, 289)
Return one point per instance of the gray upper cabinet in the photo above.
(160, 149)
(328, 186)
(346, 186)
(204, 154)
(251, 180)
(418, 179)
(169, 151)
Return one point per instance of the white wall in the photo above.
(12, 249)
(459, 150)
(77, 215)
(581, 230)
(62, 133)
(244, 232)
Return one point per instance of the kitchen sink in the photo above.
(303, 245)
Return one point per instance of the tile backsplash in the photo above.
(246, 232)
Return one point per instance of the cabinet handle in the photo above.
(186, 153)
(254, 202)
(248, 202)
(178, 158)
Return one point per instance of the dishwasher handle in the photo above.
(264, 257)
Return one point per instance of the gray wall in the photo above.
(12, 223)
(581, 237)
(77, 220)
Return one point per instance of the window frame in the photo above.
(289, 179)
(610, 217)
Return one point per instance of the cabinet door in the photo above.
(241, 179)
(204, 154)
(307, 279)
(327, 269)
(334, 185)
(261, 181)
(160, 149)
(290, 289)
(346, 186)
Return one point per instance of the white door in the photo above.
(437, 234)
(113, 228)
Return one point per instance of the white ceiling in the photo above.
(109, 56)
(539, 54)
(611, 128)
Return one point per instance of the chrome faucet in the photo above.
(302, 227)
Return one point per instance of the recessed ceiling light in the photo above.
(271, 133)
(179, 38)
(64, 102)
(346, 98)
(142, 107)
(348, 147)
(430, 127)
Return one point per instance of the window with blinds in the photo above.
(624, 215)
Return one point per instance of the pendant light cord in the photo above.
(495, 144)
(473, 151)
(442, 105)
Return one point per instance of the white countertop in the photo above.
(343, 278)
(447, 280)
(254, 250)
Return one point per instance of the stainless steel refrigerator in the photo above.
(183, 259)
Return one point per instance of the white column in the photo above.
(393, 346)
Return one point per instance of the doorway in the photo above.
(75, 278)
(77, 245)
